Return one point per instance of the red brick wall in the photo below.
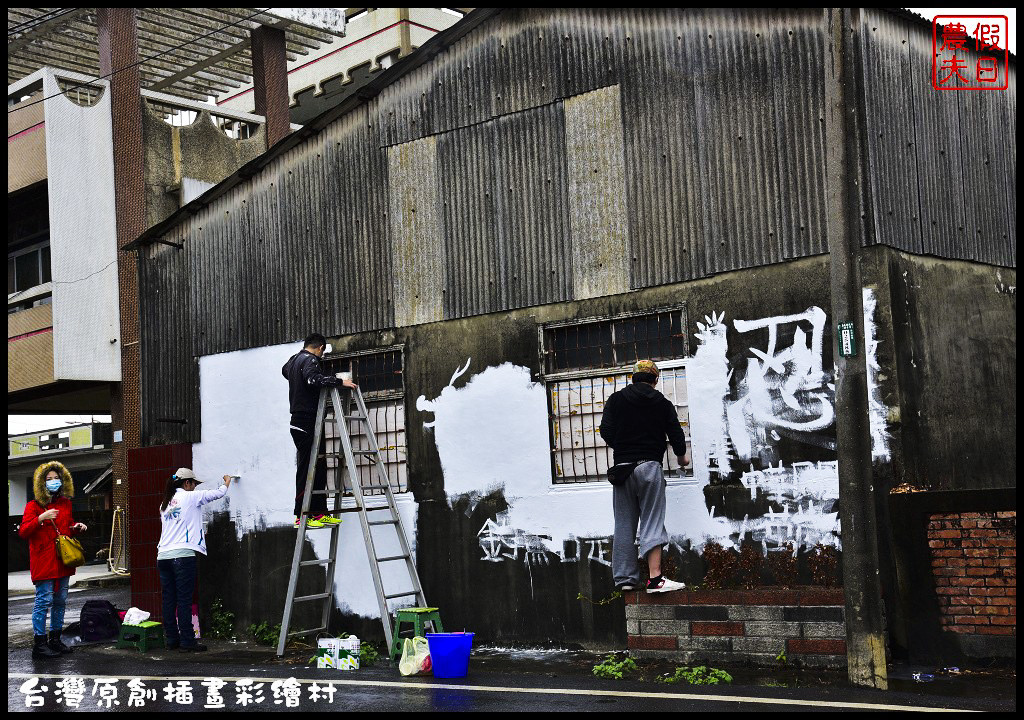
(148, 470)
(974, 562)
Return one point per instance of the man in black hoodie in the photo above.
(635, 424)
(305, 379)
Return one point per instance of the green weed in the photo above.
(222, 623)
(612, 667)
(264, 633)
(700, 675)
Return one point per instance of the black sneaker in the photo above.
(193, 648)
(627, 587)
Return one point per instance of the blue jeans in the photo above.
(52, 596)
(177, 580)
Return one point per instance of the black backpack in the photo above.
(98, 621)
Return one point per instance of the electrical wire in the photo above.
(37, 21)
(139, 62)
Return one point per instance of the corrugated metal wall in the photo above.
(943, 163)
(718, 166)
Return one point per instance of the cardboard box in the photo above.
(338, 653)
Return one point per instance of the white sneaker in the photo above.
(665, 585)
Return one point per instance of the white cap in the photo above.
(183, 474)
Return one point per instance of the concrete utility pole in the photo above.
(865, 636)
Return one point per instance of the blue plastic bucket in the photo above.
(449, 653)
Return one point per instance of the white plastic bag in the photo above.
(135, 616)
(415, 657)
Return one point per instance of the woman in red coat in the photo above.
(44, 516)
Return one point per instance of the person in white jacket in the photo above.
(181, 537)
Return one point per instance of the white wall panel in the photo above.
(83, 237)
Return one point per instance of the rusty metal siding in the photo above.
(667, 198)
(169, 378)
(797, 50)
(942, 163)
(987, 172)
(532, 209)
(1009, 240)
(722, 148)
(303, 246)
(937, 144)
(474, 275)
(724, 141)
(890, 131)
(357, 208)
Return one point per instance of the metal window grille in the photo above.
(585, 362)
(577, 406)
(84, 95)
(379, 376)
(615, 342)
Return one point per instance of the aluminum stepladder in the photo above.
(342, 412)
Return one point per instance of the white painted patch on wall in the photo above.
(707, 386)
(245, 418)
(876, 408)
(493, 433)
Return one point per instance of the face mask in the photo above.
(53, 485)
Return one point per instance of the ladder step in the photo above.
(351, 407)
(405, 594)
(306, 632)
(364, 453)
(304, 598)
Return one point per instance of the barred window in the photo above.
(597, 344)
(586, 362)
(379, 376)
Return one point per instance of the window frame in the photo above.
(561, 376)
(378, 398)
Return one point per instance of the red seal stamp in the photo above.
(970, 52)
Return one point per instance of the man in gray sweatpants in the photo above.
(636, 423)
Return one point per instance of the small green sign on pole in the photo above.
(847, 340)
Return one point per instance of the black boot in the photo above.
(42, 651)
(56, 644)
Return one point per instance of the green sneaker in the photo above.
(328, 520)
(311, 524)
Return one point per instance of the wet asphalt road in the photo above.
(499, 681)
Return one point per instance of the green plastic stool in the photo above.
(418, 617)
(148, 633)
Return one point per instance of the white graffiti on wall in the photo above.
(876, 409)
(707, 387)
(783, 388)
(424, 405)
(501, 542)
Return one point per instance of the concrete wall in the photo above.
(956, 357)
(83, 243)
(200, 151)
(484, 513)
